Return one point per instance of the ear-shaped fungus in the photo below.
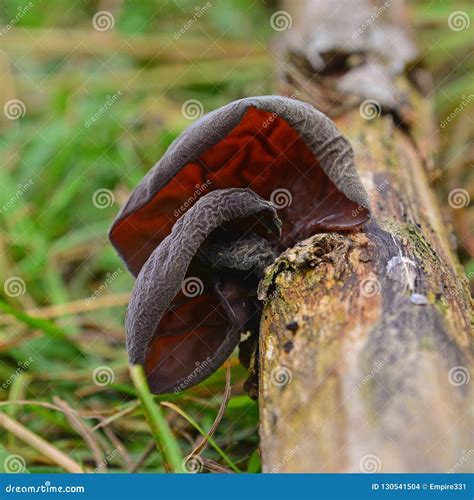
(198, 232)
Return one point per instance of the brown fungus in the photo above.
(200, 217)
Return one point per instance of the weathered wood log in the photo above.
(365, 344)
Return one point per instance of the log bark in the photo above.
(366, 340)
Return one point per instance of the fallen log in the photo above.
(365, 344)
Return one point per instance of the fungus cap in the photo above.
(252, 150)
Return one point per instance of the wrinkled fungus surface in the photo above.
(236, 188)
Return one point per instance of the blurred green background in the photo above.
(99, 104)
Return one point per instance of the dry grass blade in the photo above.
(117, 415)
(148, 451)
(79, 42)
(74, 307)
(50, 406)
(215, 467)
(38, 443)
(209, 438)
(119, 446)
(199, 448)
(87, 435)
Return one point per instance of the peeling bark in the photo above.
(366, 340)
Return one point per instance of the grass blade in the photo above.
(164, 438)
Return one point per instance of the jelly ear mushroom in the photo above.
(199, 229)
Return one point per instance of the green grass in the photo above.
(53, 238)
